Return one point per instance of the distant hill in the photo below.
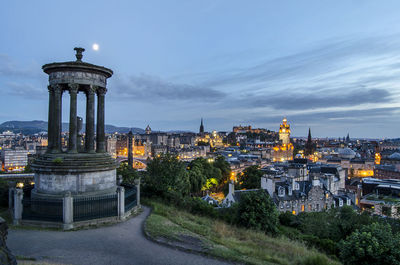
(31, 127)
(180, 131)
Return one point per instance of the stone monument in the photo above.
(81, 170)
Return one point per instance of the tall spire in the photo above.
(201, 126)
(309, 147)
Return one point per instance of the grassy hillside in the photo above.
(216, 238)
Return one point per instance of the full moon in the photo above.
(95, 46)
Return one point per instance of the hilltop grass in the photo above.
(219, 239)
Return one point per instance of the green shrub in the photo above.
(257, 211)
(58, 160)
(373, 244)
(200, 207)
(129, 174)
(288, 219)
(167, 178)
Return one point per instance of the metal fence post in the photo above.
(11, 192)
(121, 202)
(18, 207)
(138, 192)
(68, 211)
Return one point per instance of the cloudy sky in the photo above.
(333, 66)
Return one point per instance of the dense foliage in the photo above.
(167, 177)
(334, 230)
(373, 244)
(203, 175)
(256, 210)
(128, 173)
(250, 179)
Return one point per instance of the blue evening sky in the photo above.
(333, 66)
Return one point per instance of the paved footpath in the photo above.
(122, 243)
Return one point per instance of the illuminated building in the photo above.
(386, 172)
(214, 139)
(284, 132)
(283, 151)
(14, 160)
(111, 146)
(377, 158)
(140, 148)
(122, 145)
(245, 129)
(381, 197)
(189, 154)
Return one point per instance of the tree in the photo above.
(372, 244)
(128, 173)
(205, 175)
(197, 178)
(167, 176)
(223, 166)
(256, 210)
(251, 178)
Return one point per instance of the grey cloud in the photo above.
(368, 116)
(308, 100)
(27, 90)
(8, 68)
(317, 60)
(153, 88)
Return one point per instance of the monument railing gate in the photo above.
(130, 197)
(42, 209)
(95, 207)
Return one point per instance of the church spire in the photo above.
(201, 126)
(309, 147)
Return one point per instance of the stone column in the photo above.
(130, 149)
(73, 91)
(50, 123)
(57, 118)
(89, 138)
(17, 215)
(68, 211)
(121, 202)
(100, 134)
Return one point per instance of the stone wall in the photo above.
(6, 257)
(75, 183)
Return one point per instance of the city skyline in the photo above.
(332, 67)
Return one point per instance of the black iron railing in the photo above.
(42, 210)
(95, 207)
(27, 190)
(130, 197)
